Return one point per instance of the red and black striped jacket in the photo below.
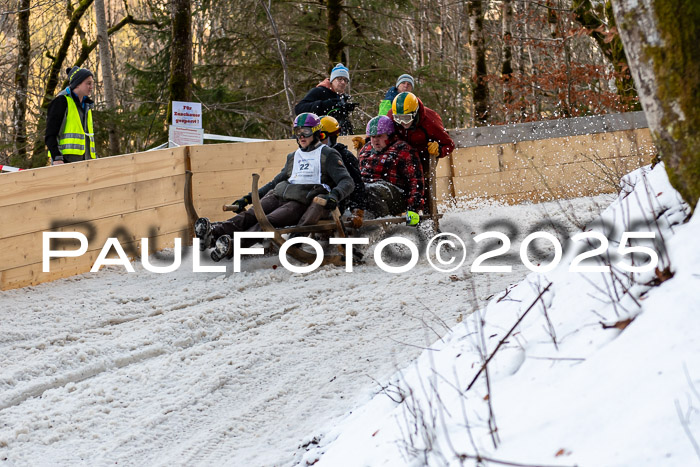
(398, 164)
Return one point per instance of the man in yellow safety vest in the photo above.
(69, 134)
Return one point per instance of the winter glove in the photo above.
(243, 202)
(343, 110)
(329, 105)
(433, 148)
(412, 218)
(358, 142)
(331, 202)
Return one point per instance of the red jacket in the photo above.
(428, 128)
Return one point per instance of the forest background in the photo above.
(477, 62)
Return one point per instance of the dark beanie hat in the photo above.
(77, 75)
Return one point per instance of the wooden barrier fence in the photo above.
(142, 195)
(128, 197)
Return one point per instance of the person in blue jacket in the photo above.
(405, 83)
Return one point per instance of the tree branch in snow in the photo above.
(481, 459)
(493, 428)
(510, 331)
(685, 423)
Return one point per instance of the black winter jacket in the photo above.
(322, 100)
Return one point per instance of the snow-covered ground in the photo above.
(238, 369)
(588, 368)
(267, 367)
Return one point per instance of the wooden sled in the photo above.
(334, 227)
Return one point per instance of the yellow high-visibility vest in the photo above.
(71, 138)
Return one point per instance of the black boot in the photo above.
(202, 230)
(223, 248)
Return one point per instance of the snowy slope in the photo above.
(225, 369)
(565, 387)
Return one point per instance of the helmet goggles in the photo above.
(304, 131)
(404, 119)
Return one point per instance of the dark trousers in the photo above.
(380, 198)
(280, 213)
(314, 213)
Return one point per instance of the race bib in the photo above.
(307, 167)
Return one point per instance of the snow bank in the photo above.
(602, 369)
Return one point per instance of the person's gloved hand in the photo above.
(412, 218)
(433, 148)
(358, 142)
(58, 162)
(331, 202)
(243, 202)
(331, 104)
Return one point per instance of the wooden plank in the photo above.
(535, 196)
(578, 178)
(443, 167)
(32, 274)
(40, 215)
(210, 185)
(506, 134)
(491, 159)
(49, 182)
(238, 156)
(443, 189)
(211, 207)
(477, 160)
(28, 248)
(556, 151)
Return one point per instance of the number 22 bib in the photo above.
(307, 167)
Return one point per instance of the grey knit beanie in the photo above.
(405, 77)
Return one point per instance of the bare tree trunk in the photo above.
(477, 44)
(288, 92)
(107, 78)
(522, 56)
(421, 43)
(180, 85)
(661, 40)
(334, 41)
(507, 63)
(19, 109)
(459, 119)
(567, 109)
